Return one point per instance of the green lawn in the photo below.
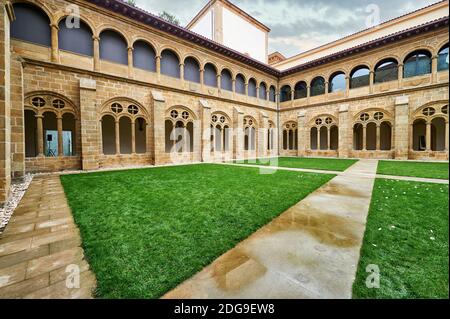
(414, 169)
(326, 164)
(407, 237)
(146, 231)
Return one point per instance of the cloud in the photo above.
(298, 25)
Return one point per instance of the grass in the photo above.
(414, 169)
(407, 237)
(326, 164)
(146, 231)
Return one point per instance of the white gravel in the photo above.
(17, 192)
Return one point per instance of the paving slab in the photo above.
(39, 245)
(310, 251)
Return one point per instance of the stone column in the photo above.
(238, 136)
(401, 127)
(206, 146)
(347, 86)
(400, 76)
(344, 136)
(130, 63)
(308, 94)
(55, 43)
(328, 139)
(263, 134)
(202, 78)
(371, 81)
(318, 138)
(434, 69)
(327, 88)
(6, 16)
(60, 136)
(133, 137)
(117, 135)
(378, 137)
(158, 68)
(182, 73)
(40, 134)
(428, 137)
(17, 119)
(100, 138)
(219, 81)
(159, 131)
(301, 133)
(96, 53)
(90, 128)
(446, 135)
(197, 149)
(364, 137)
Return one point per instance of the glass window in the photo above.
(386, 70)
(360, 77)
(443, 59)
(338, 83)
(318, 86)
(417, 63)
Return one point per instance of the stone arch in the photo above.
(144, 55)
(192, 68)
(290, 136)
(210, 74)
(179, 129)
(416, 48)
(130, 107)
(39, 32)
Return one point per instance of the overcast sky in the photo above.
(299, 25)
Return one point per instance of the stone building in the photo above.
(119, 86)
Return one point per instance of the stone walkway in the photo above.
(318, 171)
(39, 244)
(310, 251)
(320, 238)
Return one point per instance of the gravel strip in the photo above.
(17, 192)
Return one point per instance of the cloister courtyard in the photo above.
(284, 227)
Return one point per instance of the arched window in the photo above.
(359, 77)
(226, 80)
(252, 88)
(338, 83)
(77, 40)
(69, 142)
(109, 135)
(263, 91)
(170, 64)
(417, 63)
(179, 131)
(318, 86)
(31, 140)
(210, 75)
(285, 93)
(140, 127)
(191, 70)
(358, 137)
(240, 84)
(31, 24)
(386, 70)
(272, 94)
(220, 133)
(290, 134)
(125, 135)
(113, 47)
(249, 134)
(300, 91)
(144, 56)
(443, 59)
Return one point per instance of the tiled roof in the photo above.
(139, 15)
